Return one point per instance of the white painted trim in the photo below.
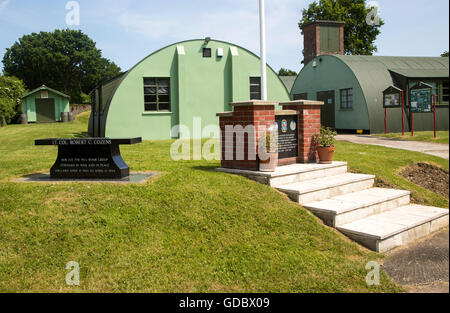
(180, 50)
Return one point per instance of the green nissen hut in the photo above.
(196, 78)
(352, 86)
(45, 105)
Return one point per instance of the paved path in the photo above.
(421, 267)
(436, 149)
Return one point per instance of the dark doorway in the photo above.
(45, 110)
(327, 113)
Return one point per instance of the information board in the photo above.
(392, 97)
(421, 100)
(392, 100)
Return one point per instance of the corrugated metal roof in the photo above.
(374, 75)
(421, 73)
(406, 64)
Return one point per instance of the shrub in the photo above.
(11, 89)
(326, 137)
(85, 99)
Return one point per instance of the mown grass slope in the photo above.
(189, 230)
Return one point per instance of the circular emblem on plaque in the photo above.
(284, 126)
(293, 125)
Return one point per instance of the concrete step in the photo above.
(289, 174)
(327, 187)
(400, 226)
(354, 206)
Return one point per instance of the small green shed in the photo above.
(45, 105)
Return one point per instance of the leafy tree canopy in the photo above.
(445, 54)
(359, 36)
(66, 60)
(286, 72)
(11, 89)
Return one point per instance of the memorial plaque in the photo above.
(97, 158)
(287, 126)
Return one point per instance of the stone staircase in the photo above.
(379, 219)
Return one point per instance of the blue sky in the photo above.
(128, 30)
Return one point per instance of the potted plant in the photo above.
(325, 141)
(268, 151)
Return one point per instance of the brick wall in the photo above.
(261, 113)
(77, 109)
(311, 39)
(308, 126)
(310, 44)
(253, 113)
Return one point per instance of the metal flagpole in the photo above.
(263, 50)
(434, 115)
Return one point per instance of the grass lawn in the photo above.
(189, 230)
(386, 164)
(427, 136)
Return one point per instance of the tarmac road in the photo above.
(421, 267)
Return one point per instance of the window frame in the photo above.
(347, 97)
(440, 100)
(207, 55)
(253, 93)
(157, 86)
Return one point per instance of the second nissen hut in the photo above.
(175, 85)
(352, 85)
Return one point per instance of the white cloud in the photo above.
(4, 4)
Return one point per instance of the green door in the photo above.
(45, 110)
(327, 113)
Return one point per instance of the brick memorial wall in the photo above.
(308, 126)
(297, 123)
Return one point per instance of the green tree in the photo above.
(11, 89)
(66, 60)
(286, 72)
(359, 36)
(445, 54)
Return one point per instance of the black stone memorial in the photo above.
(287, 136)
(89, 158)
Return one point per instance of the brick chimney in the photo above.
(322, 37)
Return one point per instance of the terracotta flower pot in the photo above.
(269, 165)
(325, 154)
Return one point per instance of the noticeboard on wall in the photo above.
(392, 97)
(420, 99)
